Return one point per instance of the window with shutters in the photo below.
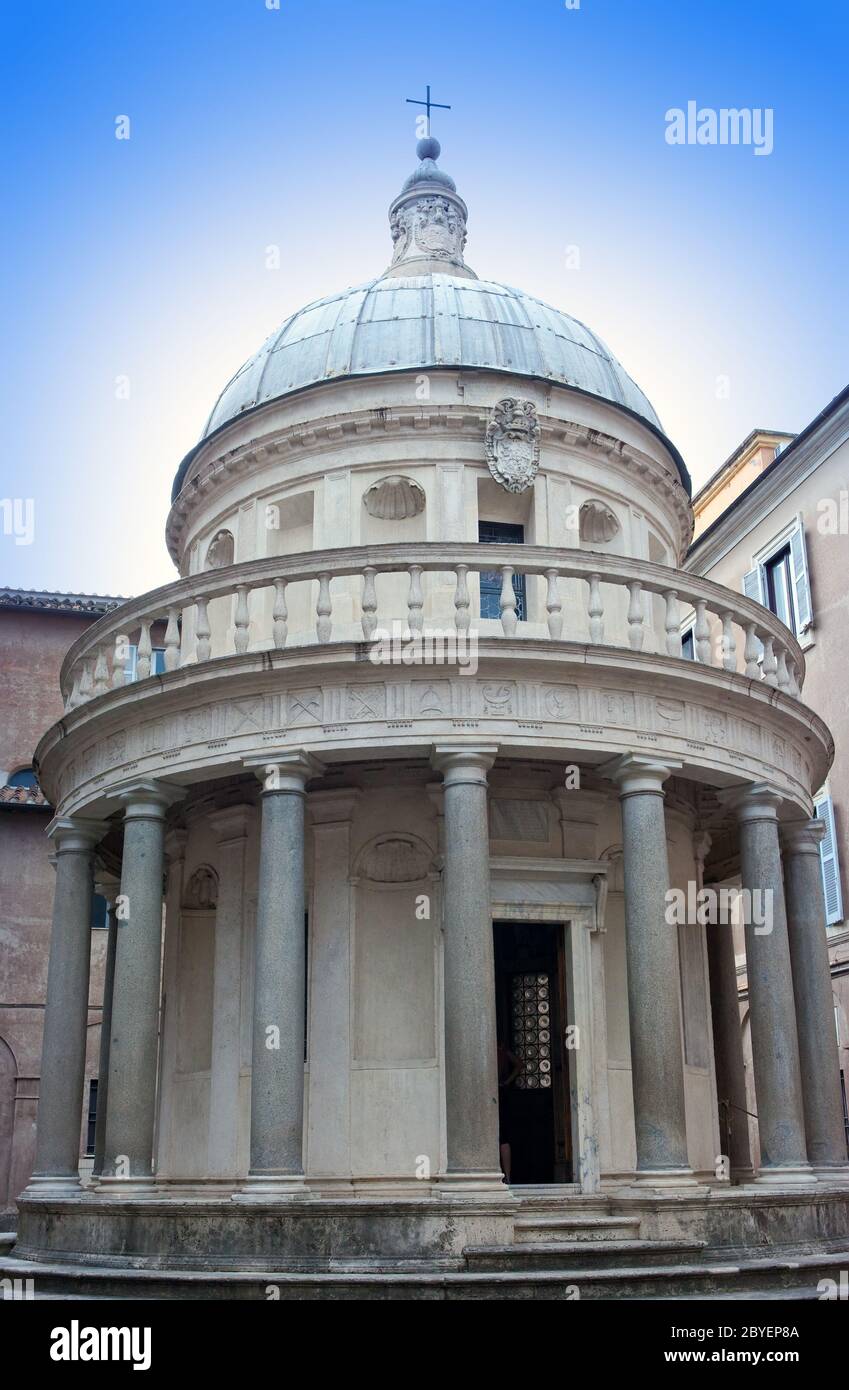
(829, 861)
(779, 578)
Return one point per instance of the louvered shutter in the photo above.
(830, 863)
(801, 579)
(753, 584)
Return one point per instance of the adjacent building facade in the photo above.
(36, 630)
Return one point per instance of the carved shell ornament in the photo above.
(394, 499)
(597, 523)
(512, 444)
(221, 550)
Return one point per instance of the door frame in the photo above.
(571, 894)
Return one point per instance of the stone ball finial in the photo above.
(428, 148)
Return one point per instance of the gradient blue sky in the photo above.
(251, 127)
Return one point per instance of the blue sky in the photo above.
(253, 126)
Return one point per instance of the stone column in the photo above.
(818, 1056)
(231, 826)
(277, 1075)
(471, 1062)
(328, 1128)
(63, 1045)
(133, 1047)
(109, 891)
(654, 1013)
(729, 1063)
(775, 1047)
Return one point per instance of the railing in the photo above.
(730, 630)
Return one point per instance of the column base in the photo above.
(136, 1189)
(837, 1173)
(479, 1184)
(50, 1185)
(272, 1187)
(792, 1175)
(665, 1179)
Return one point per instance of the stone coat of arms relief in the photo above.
(512, 444)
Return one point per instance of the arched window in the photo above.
(24, 777)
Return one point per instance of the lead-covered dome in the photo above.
(428, 310)
(404, 323)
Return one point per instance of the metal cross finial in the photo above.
(436, 105)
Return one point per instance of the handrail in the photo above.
(770, 650)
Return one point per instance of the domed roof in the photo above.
(427, 310)
(410, 323)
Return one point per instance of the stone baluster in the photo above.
(75, 696)
(507, 602)
(729, 643)
(782, 674)
(554, 606)
(324, 609)
(415, 600)
(770, 665)
(203, 646)
(636, 615)
(369, 603)
(595, 609)
(241, 620)
(673, 623)
(86, 680)
(280, 615)
(462, 614)
(144, 651)
(120, 660)
(101, 672)
(701, 632)
(794, 688)
(752, 652)
(172, 639)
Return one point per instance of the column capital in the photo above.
(754, 802)
(231, 823)
(636, 774)
(461, 763)
(802, 836)
(148, 799)
(287, 771)
(75, 834)
(108, 885)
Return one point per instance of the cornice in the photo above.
(768, 491)
(212, 475)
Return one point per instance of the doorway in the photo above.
(530, 993)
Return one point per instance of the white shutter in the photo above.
(801, 580)
(830, 863)
(753, 585)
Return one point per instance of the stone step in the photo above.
(776, 1277)
(584, 1254)
(571, 1228)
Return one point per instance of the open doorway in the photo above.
(530, 992)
